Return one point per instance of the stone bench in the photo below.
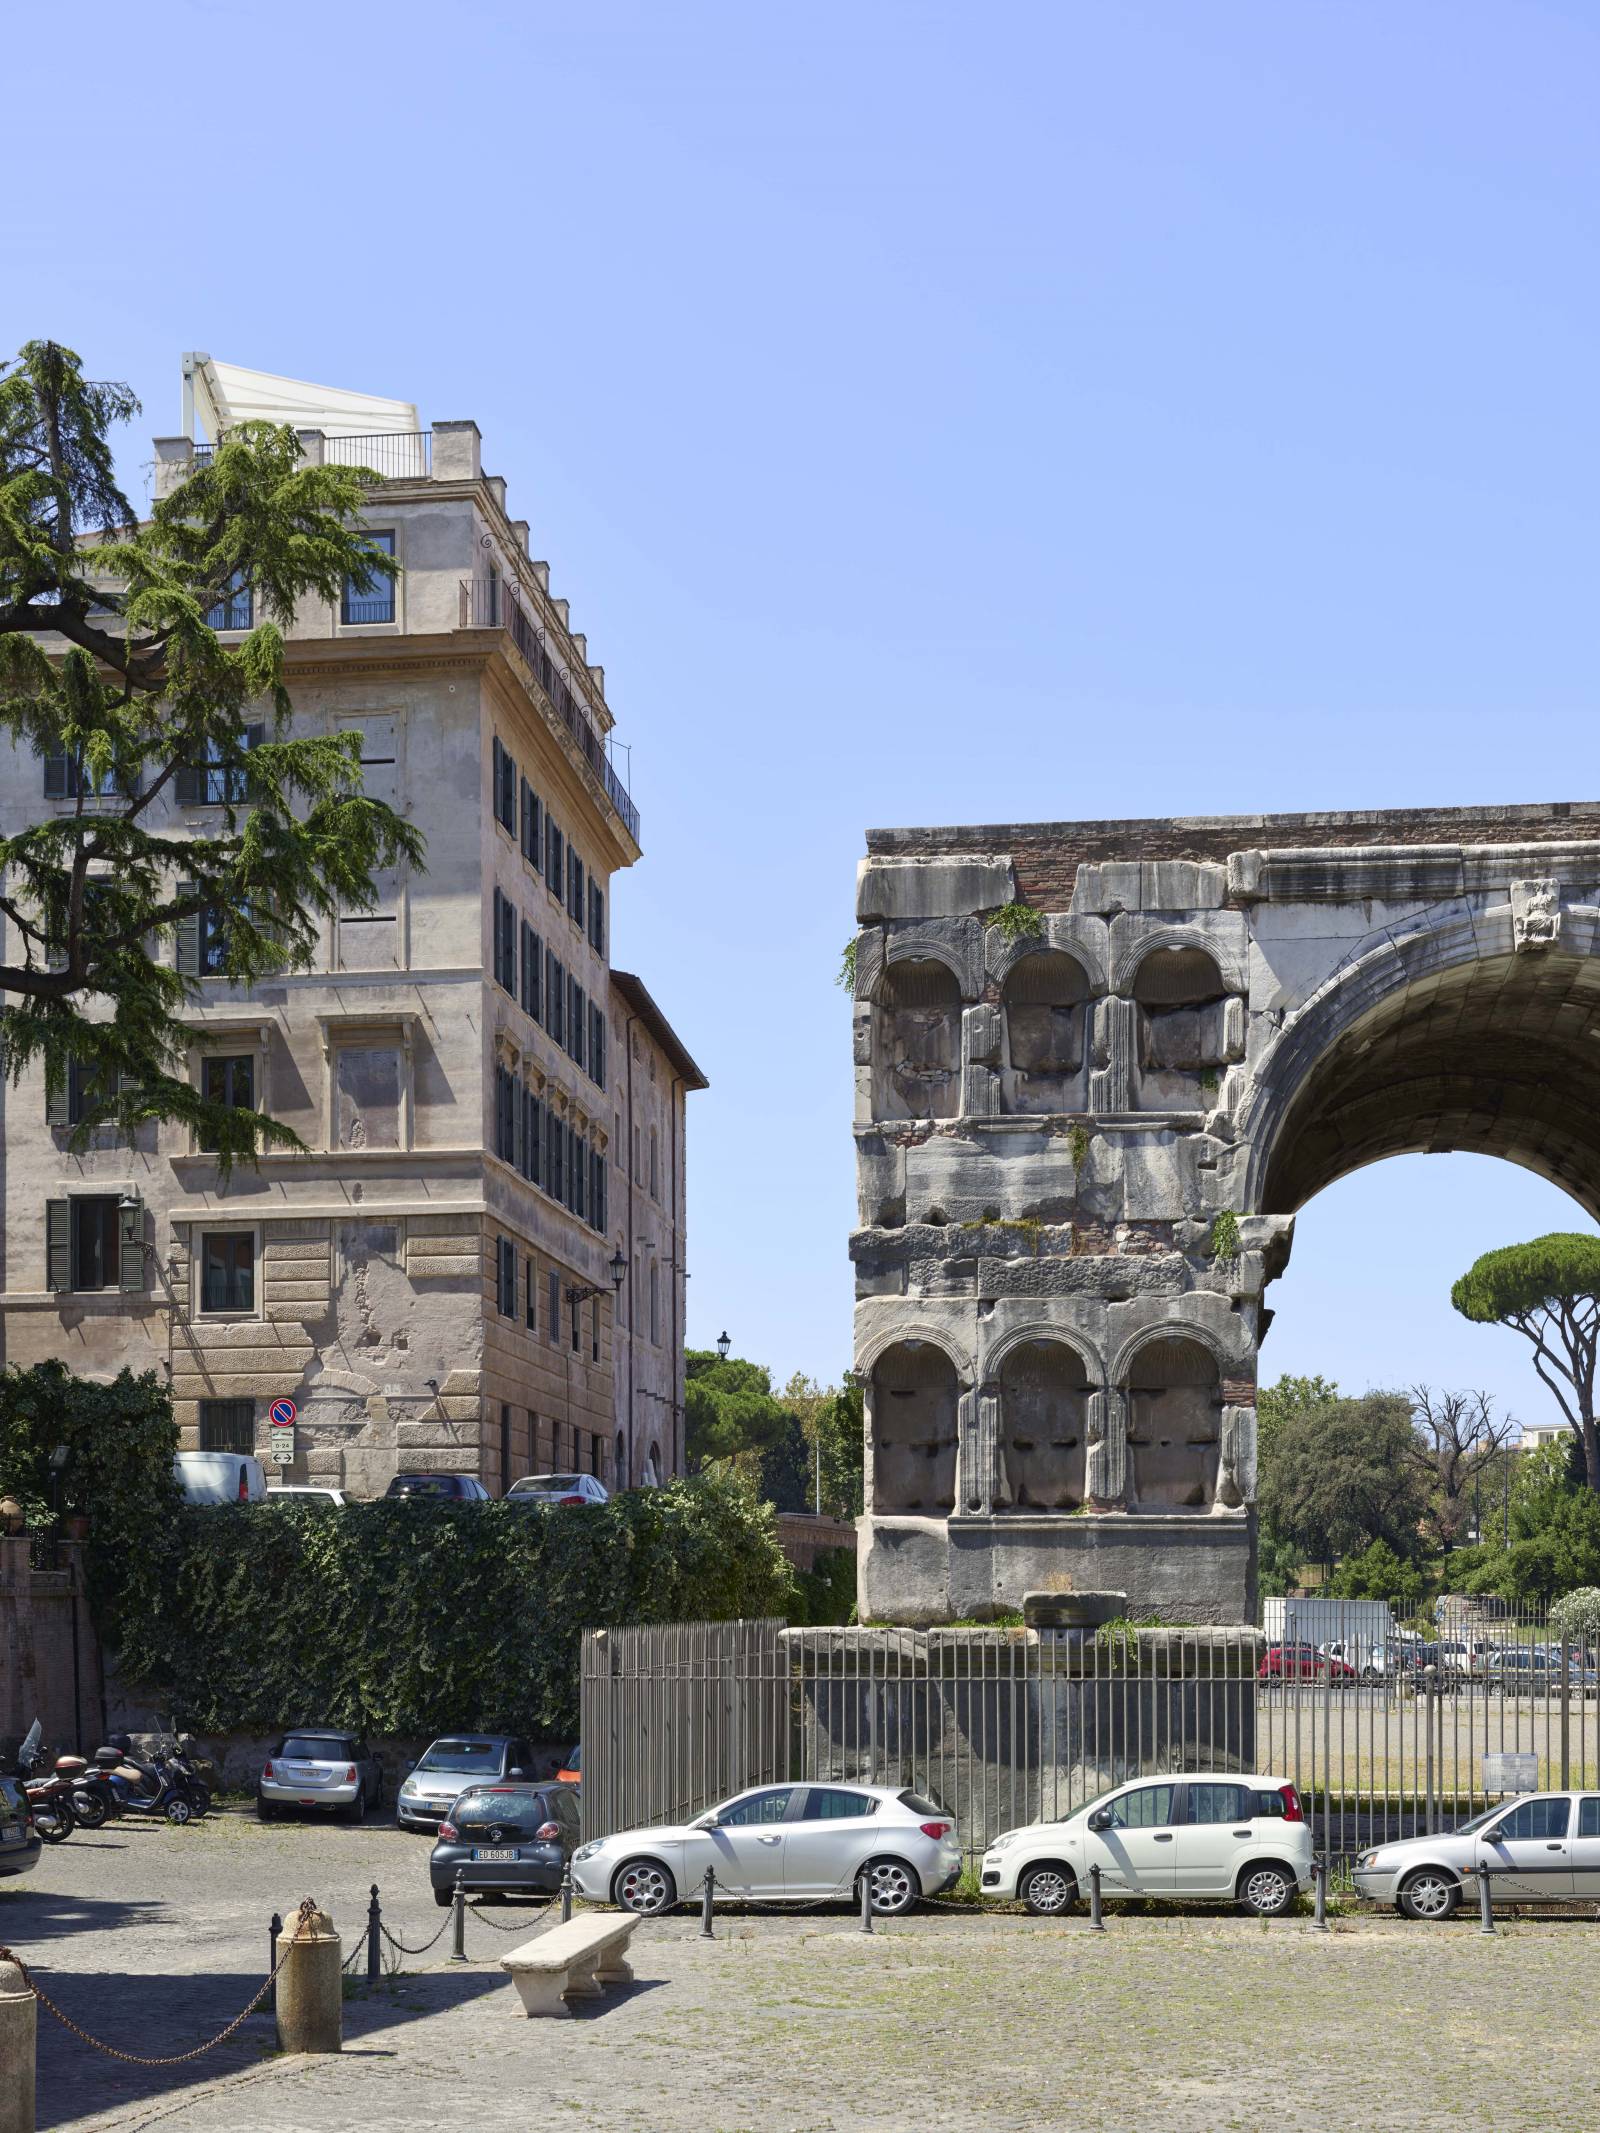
(571, 1962)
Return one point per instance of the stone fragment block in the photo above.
(1108, 887)
(946, 887)
(1182, 885)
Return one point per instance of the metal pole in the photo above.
(708, 1896)
(374, 1938)
(1097, 1922)
(1429, 1676)
(273, 1931)
(458, 1944)
(1485, 1901)
(566, 1893)
(866, 1902)
(1319, 1881)
(1566, 1718)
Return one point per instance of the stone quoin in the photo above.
(1099, 1066)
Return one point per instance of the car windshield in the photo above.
(480, 1810)
(426, 1485)
(574, 1761)
(547, 1484)
(919, 1804)
(464, 1756)
(1465, 1829)
(318, 1748)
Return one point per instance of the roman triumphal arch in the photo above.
(1099, 1065)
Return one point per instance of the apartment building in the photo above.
(435, 1283)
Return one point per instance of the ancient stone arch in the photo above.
(1384, 983)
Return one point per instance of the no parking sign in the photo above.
(281, 1414)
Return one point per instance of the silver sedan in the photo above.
(1541, 1848)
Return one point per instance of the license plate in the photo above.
(10, 1832)
(496, 1858)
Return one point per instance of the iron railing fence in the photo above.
(398, 455)
(491, 603)
(1386, 1727)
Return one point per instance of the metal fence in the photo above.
(1386, 1727)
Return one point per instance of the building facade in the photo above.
(1099, 1068)
(433, 1283)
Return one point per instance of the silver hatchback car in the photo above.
(320, 1768)
(781, 1844)
(1541, 1848)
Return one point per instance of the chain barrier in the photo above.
(308, 1911)
(515, 1925)
(400, 1947)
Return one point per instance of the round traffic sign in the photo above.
(281, 1414)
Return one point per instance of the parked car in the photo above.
(320, 1767)
(514, 1839)
(1524, 1671)
(781, 1843)
(220, 1477)
(275, 1489)
(463, 1488)
(454, 1764)
(571, 1771)
(1303, 1662)
(20, 1844)
(1545, 1845)
(558, 1488)
(1197, 1836)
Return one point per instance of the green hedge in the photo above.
(410, 1616)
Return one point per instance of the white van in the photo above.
(220, 1477)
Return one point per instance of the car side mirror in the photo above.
(516, 1772)
(708, 1822)
(1100, 1819)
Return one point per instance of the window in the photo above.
(655, 1301)
(577, 1018)
(578, 1174)
(202, 939)
(532, 971)
(222, 777)
(655, 1167)
(505, 1114)
(228, 1270)
(66, 779)
(94, 1243)
(555, 857)
(505, 787)
(532, 1138)
(227, 1425)
(369, 596)
(1589, 1818)
(1533, 1819)
(236, 609)
(506, 1279)
(1221, 1803)
(757, 1807)
(597, 917)
(828, 1804)
(594, 1356)
(574, 1306)
(552, 1323)
(229, 1080)
(597, 1046)
(71, 1102)
(575, 885)
(1150, 1807)
(532, 1308)
(555, 996)
(505, 943)
(532, 826)
(597, 1189)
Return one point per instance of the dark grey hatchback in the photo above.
(514, 1840)
(19, 1844)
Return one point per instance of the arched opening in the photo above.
(914, 1426)
(1181, 1043)
(1495, 1056)
(1174, 1426)
(1045, 997)
(916, 1047)
(1044, 1397)
(652, 1466)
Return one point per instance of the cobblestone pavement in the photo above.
(1198, 2023)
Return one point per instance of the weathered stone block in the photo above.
(947, 887)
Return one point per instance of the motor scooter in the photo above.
(48, 1792)
(152, 1788)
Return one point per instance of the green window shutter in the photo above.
(58, 1244)
(58, 1106)
(58, 777)
(190, 786)
(188, 936)
(130, 1257)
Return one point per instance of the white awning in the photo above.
(226, 393)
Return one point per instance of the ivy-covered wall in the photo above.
(411, 1617)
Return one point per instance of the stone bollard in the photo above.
(310, 2001)
(19, 2021)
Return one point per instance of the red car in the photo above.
(1302, 1662)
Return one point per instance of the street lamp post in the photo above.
(723, 1345)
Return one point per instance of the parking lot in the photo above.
(153, 1938)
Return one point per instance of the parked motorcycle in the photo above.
(48, 1791)
(158, 1787)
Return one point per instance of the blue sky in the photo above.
(932, 415)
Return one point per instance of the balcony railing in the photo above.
(489, 603)
(399, 455)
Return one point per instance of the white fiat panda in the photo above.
(1197, 1835)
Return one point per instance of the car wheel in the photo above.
(179, 1811)
(645, 1887)
(357, 1810)
(265, 1811)
(1049, 1891)
(1430, 1893)
(895, 1887)
(444, 1898)
(1267, 1888)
